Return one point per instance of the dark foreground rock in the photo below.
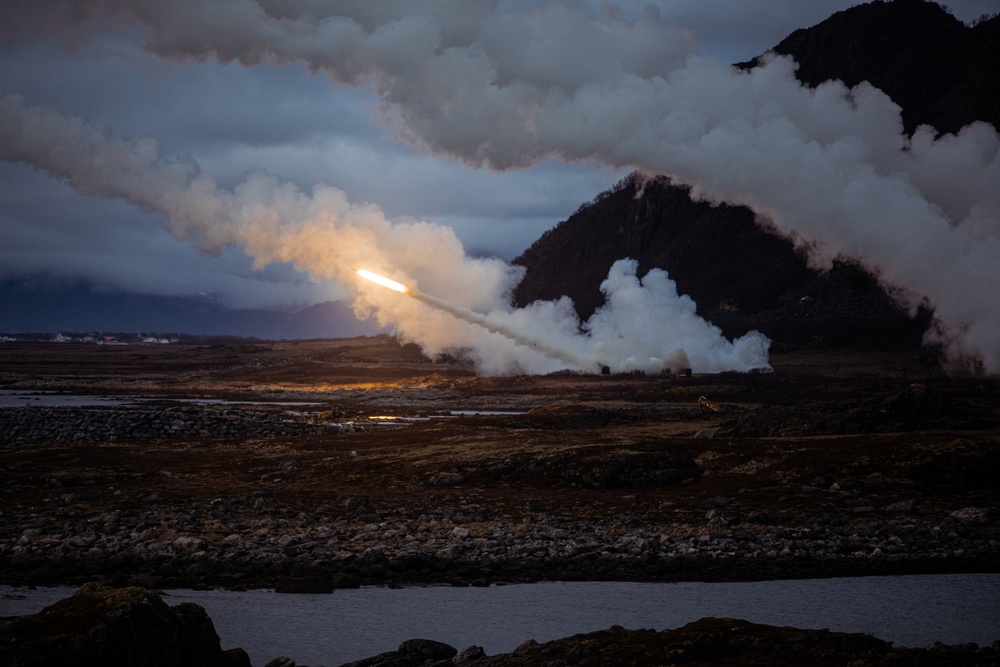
(725, 641)
(106, 627)
(134, 627)
(411, 652)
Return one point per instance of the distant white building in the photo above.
(110, 340)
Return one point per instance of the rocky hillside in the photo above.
(939, 70)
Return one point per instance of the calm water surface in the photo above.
(354, 624)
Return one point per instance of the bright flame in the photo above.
(381, 280)
(481, 320)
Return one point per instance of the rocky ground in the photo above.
(359, 462)
(836, 463)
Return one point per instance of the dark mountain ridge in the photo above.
(940, 71)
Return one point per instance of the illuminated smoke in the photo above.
(324, 234)
(828, 167)
(490, 325)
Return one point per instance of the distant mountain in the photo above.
(46, 306)
(940, 71)
(741, 276)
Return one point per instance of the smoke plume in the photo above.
(325, 235)
(829, 167)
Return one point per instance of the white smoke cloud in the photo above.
(830, 167)
(327, 236)
(640, 316)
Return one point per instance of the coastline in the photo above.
(412, 474)
(310, 554)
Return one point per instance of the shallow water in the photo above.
(52, 399)
(17, 399)
(354, 624)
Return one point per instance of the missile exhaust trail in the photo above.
(481, 320)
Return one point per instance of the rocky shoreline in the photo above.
(254, 541)
(560, 478)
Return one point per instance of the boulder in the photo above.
(970, 515)
(115, 627)
(411, 653)
(344, 580)
(469, 654)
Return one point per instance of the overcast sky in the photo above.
(299, 126)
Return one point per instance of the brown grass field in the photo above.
(887, 426)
